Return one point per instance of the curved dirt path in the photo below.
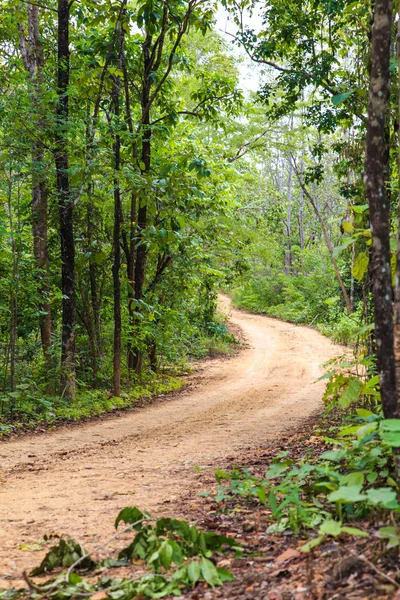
(74, 480)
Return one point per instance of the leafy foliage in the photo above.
(353, 478)
(176, 554)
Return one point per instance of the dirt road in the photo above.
(75, 480)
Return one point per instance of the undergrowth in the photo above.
(173, 556)
(312, 297)
(25, 408)
(351, 481)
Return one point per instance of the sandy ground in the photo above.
(74, 480)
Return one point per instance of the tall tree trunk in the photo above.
(379, 209)
(68, 342)
(33, 59)
(130, 246)
(301, 218)
(397, 277)
(94, 304)
(117, 247)
(40, 246)
(141, 252)
(130, 267)
(328, 242)
(288, 251)
(13, 290)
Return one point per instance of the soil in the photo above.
(74, 480)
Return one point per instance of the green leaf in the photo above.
(359, 208)
(350, 394)
(391, 535)
(360, 266)
(346, 243)
(347, 493)
(354, 531)
(333, 455)
(74, 579)
(225, 575)
(384, 496)
(312, 544)
(392, 438)
(332, 301)
(394, 64)
(275, 470)
(391, 424)
(130, 514)
(366, 430)
(339, 98)
(194, 571)
(372, 477)
(356, 478)
(209, 572)
(166, 553)
(330, 527)
(262, 495)
(390, 432)
(363, 412)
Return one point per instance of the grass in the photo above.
(30, 411)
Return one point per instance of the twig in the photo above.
(52, 586)
(38, 588)
(40, 5)
(111, 539)
(374, 568)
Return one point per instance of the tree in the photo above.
(379, 207)
(33, 59)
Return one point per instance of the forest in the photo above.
(200, 273)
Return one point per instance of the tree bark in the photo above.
(130, 246)
(141, 252)
(288, 251)
(68, 342)
(117, 246)
(397, 277)
(33, 59)
(379, 209)
(13, 291)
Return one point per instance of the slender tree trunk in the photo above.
(68, 342)
(13, 290)
(40, 246)
(141, 252)
(301, 218)
(130, 267)
(288, 251)
(131, 244)
(33, 59)
(327, 241)
(117, 248)
(379, 209)
(93, 309)
(353, 259)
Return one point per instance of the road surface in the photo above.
(75, 479)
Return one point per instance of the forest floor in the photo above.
(74, 480)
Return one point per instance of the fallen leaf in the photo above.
(225, 562)
(287, 555)
(31, 547)
(99, 596)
